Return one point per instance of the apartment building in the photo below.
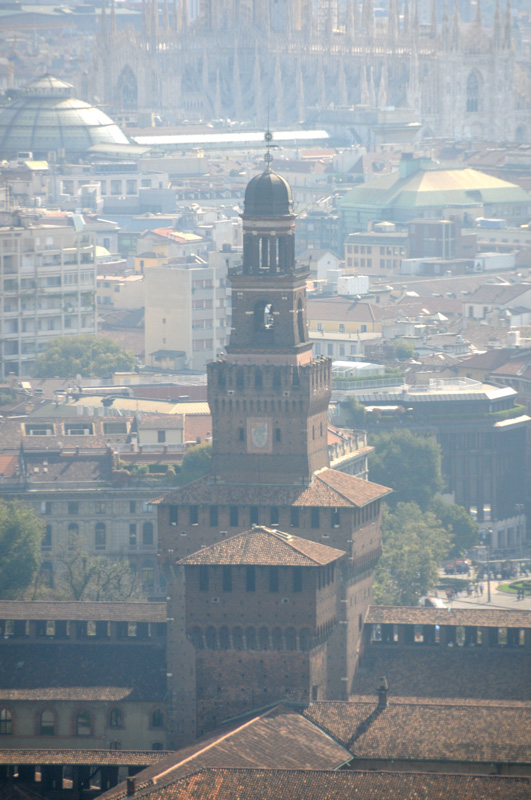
(48, 281)
(187, 310)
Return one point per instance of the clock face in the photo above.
(259, 439)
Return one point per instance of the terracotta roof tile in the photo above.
(280, 738)
(330, 488)
(426, 731)
(447, 672)
(279, 784)
(83, 611)
(130, 758)
(484, 617)
(263, 547)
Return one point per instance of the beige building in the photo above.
(48, 282)
(187, 311)
(375, 253)
(117, 291)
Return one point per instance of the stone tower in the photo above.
(268, 397)
(270, 467)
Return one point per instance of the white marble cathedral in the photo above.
(238, 58)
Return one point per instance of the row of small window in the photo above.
(48, 508)
(325, 576)
(250, 578)
(147, 573)
(66, 629)
(47, 722)
(100, 535)
(235, 518)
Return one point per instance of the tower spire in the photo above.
(445, 27)
(113, 17)
(104, 18)
(478, 15)
(507, 28)
(497, 26)
(434, 19)
(456, 26)
(405, 24)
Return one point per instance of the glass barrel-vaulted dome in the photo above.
(46, 118)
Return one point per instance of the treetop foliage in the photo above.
(408, 464)
(88, 356)
(21, 533)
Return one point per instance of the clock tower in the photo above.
(268, 396)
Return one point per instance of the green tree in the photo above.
(403, 349)
(408, 464)
(355, 412)
(21, 533)
(88, 356)
(84, 576)
(414, 543)
(196, 463)
(459, 524)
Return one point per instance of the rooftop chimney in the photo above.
(383, 691)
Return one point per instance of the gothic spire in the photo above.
(477, 21)
(445, 27)
(406, 17)
(392, 21)
(434, 19)
(236, 85)
(103, 18)
(113, 17)
(184, 16)
(349, 21)
(507, 28)
(382, 91)
(497, 26)
(456, 26)
(166, 17)
(365, 99)
(415, 19)
(174, 16)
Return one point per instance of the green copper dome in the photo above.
(46, 118)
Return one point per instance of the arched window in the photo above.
(250, 637)
(47, 724)
(73, 533)
(157, 719)
(6, 722)
(100, 536)
(148, 575)
(147, 534)
(46, 543)
(278, 641)
(472, 93)
(224, 638)
(301, 324)
(291, 639)
(211, 638)
(263, 639)
(196, 637)
(115, 718)
(237, 638)
(83, 724)
(263, 316)
(305, 639)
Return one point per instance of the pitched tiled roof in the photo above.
(280, 738)
(484, 617)
(429, 731)
(126, 758)
(96, 671)
(263, 547)
(466, 672)
(282, 784)
(330, 488)
(83, 611)
(8, 465)
(498, 295)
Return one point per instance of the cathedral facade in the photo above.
(286, 59)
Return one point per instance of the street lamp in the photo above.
(486, 536)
